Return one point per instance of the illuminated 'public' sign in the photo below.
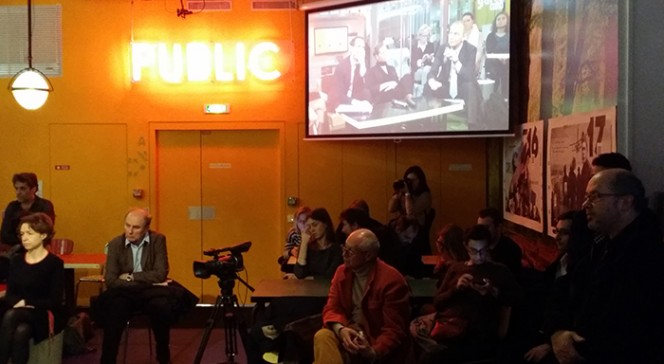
(204, 62)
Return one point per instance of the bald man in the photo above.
(136, 261)
(368, 308)
(612, 312)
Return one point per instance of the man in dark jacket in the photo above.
(612, 310)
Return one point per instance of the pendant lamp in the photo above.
(29, 86)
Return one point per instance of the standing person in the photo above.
(136, 261)
(498, 41)
(472, 35)
(412, 196)
(319, 254)
(612, 311)
(27, 201)
(367, 310)
(33, 305)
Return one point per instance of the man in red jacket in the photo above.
(368, 308)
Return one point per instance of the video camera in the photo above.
(223, 266)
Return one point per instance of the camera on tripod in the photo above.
(223, 266)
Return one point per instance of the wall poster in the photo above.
(573, 142)
(523, 171)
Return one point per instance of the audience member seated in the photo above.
(27, 202)
(384, 84)
(410, 260)
(390, 252)
(498, 41)
(347, 82)
(367, 311)
(582, 239)
(319, 254)
(318, 257)
(452, 74)
(451, 249)
(412, 199)
(32, 308)
(537, 344)
(421, 59)
(503, 249)
(294, 237)
(471, 307)
(372, 223)
(612, 309)
(135, 275)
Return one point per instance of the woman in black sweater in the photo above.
(33, 304)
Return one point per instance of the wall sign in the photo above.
(205, 62)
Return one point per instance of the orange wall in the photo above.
(95, 89)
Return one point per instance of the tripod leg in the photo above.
(208, 330)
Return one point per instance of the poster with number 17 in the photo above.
(573, 143)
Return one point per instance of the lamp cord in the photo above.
(30, 33)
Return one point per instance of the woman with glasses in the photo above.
(472, 306)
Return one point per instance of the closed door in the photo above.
(216, 189)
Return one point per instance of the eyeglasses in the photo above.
(473, 251)
(350, 252)
(595, 196)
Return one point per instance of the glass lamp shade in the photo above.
(30, 88)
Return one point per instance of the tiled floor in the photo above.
(185, 342)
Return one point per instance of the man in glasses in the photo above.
(612, 312)
(368, 308)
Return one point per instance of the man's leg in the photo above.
(326, 348)
(117, 310)
(159, 310)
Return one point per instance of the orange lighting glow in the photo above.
(205, 62)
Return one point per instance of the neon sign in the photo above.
(205, 62)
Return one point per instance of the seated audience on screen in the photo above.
(367, 311)
(319, 254)
(452, 74)
(472, 306)
(317, 114)
(384, 84)
(348, 80)
(421, 58)
(498, 41)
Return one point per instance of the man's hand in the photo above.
(435, 85)
(125, 277)
(537, 353)
(465, 280)
(356, 343)
(562, 342)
